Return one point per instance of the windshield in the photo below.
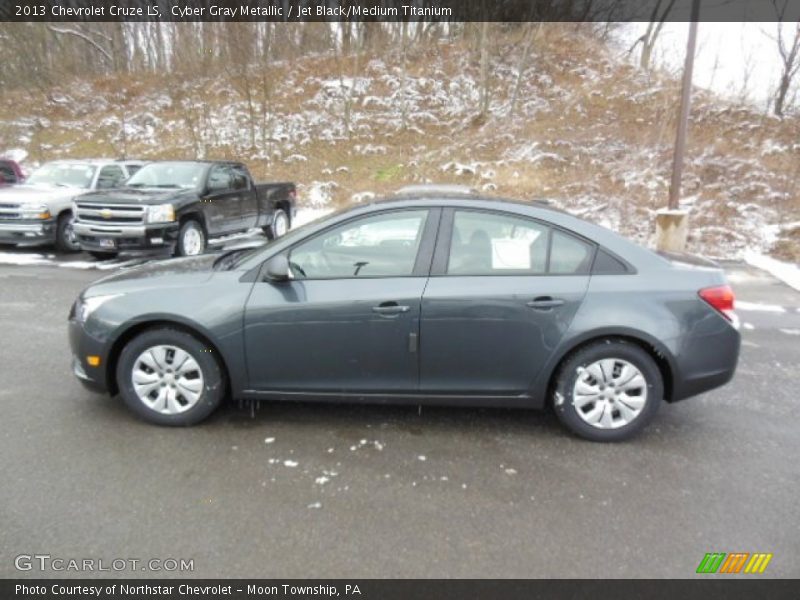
(169, 175)
(78, 175)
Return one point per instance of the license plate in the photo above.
(108, 243)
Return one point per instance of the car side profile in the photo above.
(422, 299)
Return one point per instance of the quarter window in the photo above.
(384, 245)
(569, 255)
(496, 244)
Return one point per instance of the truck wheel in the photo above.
(169, 377)
(191, 239)
(103, 255)
(608, 391)
(279, 226)
(66, 238)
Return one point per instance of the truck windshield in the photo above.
(78, 175)
(168, 175)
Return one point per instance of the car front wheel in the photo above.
(66, 238)
(169, 377)
(279, 226)
(608, 391)
(191, 239)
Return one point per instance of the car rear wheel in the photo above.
(66, 238)
(608, 391)
(279, 226)
(191, 239)
(169, 377)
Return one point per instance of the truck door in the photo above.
(249, 203)
(221, 203)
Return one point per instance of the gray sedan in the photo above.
(422, 299)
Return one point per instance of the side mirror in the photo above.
(278, 268)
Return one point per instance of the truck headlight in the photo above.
(161, 213)
(84, 307)
(35, 212)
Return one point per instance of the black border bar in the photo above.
(392, 10)
(703, 587)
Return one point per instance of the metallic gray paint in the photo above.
(477, 341)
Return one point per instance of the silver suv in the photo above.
(40, 209)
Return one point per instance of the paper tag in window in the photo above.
(511, 254)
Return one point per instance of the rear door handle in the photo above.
(390, 308)
(545, 302)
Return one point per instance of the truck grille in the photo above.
(9, 211)
(111, 214)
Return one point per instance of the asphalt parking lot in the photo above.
(304, 490)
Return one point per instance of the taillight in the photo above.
(721, 298)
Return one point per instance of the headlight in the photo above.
(35, 212)
(162, 213)
(86, 306)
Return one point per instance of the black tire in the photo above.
(573, 367)
(66, 240)
(188, 228)
(103, 255)
(213, 387)
(271, 230)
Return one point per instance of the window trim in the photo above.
(422, 262)
(443, 243)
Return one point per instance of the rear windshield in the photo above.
(79, 175)
(169, 175)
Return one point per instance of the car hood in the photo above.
(163, 274)
(37, 194)
(148, 196)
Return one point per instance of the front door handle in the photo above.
(390, 308)
(545, 302)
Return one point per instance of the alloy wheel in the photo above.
(609, 393)
(281, 224)
(167, 379)
(192, 241)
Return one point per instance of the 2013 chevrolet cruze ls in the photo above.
(423, 299)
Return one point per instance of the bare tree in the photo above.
(789, 50)
(648, 40)
(531, 35)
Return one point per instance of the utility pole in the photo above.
(683, 116)
(672, 224)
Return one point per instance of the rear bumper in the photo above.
(128, 238)
(20, 231)
(706, 362)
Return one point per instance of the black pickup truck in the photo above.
(179, 205)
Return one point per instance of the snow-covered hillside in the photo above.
(575, 123)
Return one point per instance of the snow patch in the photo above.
(759, 306)
(786, 272)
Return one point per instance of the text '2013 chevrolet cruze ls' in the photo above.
(422, 299)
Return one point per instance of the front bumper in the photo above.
(19, 231)
(126, 238)
(83, 345)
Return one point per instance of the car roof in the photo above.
(97, 161)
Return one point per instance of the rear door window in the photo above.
(497, 244)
